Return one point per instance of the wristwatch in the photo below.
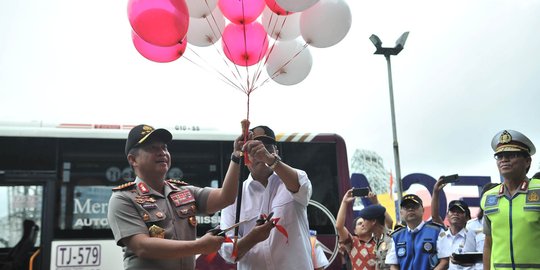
(277, 159)
(235, 158)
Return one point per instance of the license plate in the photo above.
(78, 255)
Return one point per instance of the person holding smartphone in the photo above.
(458, 215)
(368, 244)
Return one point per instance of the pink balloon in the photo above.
(272, 5)
(160, 22)
(244, 47)
(157, 53)
(241, 11)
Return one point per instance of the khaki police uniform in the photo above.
(383, 244)
(135, 208)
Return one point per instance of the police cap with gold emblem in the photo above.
(512, 141)
(143, 134)
(461, 205)
(410, 198)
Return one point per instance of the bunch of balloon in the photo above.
(275, 34)
(159, 28)
(255, 35)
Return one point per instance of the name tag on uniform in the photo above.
(182, 197)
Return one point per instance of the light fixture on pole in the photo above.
(387, 52)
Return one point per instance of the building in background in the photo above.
(371, 165)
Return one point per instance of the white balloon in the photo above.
(296, 5)
(200, 8)
(326, 23)
(281, 27)
(206, 31)
(289, 62)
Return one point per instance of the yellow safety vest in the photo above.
(515, 226)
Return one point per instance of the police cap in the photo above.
(143, 134)
(512, 141)
(411, 198)
(459, 204)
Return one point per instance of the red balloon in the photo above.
(245, 44)
(157, 53)
(160, 22)
(241, 11)
(272, 5)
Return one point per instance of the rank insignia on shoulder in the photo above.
(124, 186)
(177, 182)
(532, 196)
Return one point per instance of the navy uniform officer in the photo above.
(512, 209)
(419, 245)
(153, 219)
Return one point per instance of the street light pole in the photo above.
(387, 52)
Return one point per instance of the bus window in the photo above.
(18, 203)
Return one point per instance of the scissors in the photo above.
(262, 220)
(221, 232)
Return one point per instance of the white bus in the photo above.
(61, 177)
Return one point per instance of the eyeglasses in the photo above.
(508, 155)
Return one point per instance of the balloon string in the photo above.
(278, 71)
(221, 76)
(245, 50)
(223, 57)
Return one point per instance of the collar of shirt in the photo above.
(419, 227)
(462, 233)
(166, 189)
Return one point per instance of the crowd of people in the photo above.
(153, 218)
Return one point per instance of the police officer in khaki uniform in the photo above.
(152, 218)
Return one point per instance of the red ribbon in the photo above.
(211, 256)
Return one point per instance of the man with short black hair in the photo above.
(420, 245)
(512, 209)
(152, 218)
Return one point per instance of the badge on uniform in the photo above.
(149, 205)
(401, 251)
(532, 196)
(143, 188)
(182, 197)
(428, 247)
(156, 231)
(491, 200)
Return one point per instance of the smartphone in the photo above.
(450, 179)
(360, 192)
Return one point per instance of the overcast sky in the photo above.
(468, 70)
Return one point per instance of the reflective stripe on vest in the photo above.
(515, 227)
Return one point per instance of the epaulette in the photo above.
(397, 230)
(124, 186)
(177, 182)
(435, 224)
